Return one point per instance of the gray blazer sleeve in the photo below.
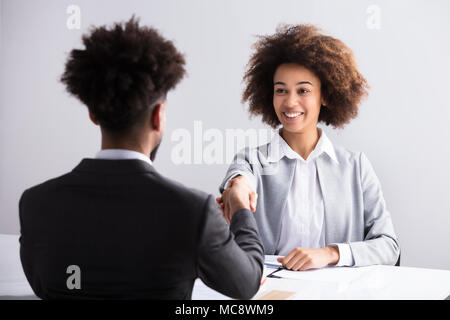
(380, 245)
(241, 165)
(230, 259)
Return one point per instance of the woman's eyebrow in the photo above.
(301, 82)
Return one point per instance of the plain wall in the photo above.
(402, 126)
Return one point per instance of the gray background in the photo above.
(403, 125)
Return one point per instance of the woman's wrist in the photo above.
(333, 254)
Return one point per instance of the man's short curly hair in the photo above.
(342, 86)
(122, 71)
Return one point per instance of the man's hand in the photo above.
(238, 195)
(301, 259)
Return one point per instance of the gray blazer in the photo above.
(355, 210)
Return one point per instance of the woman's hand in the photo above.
(226, 203)
(301, 259)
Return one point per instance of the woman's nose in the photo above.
(292, 100)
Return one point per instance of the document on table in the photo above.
(271, 261)
(337, 275)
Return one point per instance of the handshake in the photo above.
(237, 195)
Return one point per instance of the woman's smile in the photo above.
(292, 116)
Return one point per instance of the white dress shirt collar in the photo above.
(121, 154)
(278, 148)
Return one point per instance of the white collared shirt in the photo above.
(121, 154)
(302, 221)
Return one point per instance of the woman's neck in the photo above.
(303, 142)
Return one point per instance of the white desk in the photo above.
(374, 282)
(12, 279)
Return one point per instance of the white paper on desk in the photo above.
(271, 261)
(341, 275)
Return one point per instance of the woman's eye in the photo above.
(279, 90)
(303, 91)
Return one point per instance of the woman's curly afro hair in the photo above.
(122, 71)
(342, 86)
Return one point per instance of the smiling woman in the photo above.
(316, 204)
(326, 59)
(296, 103)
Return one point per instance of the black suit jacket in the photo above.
(134, 234)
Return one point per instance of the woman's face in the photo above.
(296, 97)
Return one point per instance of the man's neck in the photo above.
(144, 148)
(303, 142)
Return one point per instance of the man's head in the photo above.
(123, 75)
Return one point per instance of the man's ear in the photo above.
(158, 117)
(91, 116)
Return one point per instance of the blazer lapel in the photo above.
(277, 182)
(330, 184)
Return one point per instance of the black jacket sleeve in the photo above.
(230, 259)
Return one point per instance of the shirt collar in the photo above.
(121, 154)
(278, 148)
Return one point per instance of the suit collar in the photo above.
(121, 154)
(117, 167)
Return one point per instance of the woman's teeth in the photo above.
(293, 115)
